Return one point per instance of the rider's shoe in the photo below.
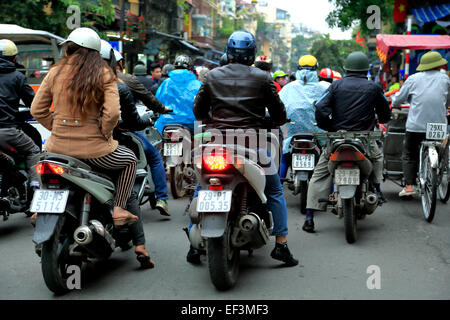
(381, 198)
(407, 192)
(163, 207)
(281, 252)
(308, 226)
(193, 255)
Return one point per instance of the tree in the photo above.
(34, 14)
(348, 11)
(332, 53)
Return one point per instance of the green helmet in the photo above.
(140, 70)
(357, 61)
(278, 74)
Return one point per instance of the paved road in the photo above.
(413, 257)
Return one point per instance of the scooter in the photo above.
(230, 213)
(74, 213)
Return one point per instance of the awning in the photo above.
(432, 13)
(180, 40)
(388, 44)
(22, 35)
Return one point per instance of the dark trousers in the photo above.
(411, 154)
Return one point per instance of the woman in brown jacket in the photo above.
(84, 93)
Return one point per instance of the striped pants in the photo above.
(121, 159)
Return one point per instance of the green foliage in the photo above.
(30, 14)
(348, 11)
(332, 53)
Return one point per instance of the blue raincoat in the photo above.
(178, 93)
(298, 99)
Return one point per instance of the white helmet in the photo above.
(117, 55)
(105, 50)
(85, 37)
(8, 48)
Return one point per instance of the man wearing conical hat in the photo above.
(428, 94)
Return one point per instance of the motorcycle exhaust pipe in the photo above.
(371, 202)
(83, 235)
(248, 223)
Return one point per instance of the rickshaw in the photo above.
(38, 51)
(387, 45)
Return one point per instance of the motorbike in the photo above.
(14, 191)
(177, 155)
(230, 213)
(304, 153)
(351, 168)
(74, 213)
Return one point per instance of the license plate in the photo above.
(173, 149)
(303, 161)
(344, 177)
(214, 201)
(436, 131)
(49, 201)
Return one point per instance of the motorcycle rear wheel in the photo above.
(223, 260)
(177, 185)
(349, 219)
(303, 196)
(444, 188)
(56, 259)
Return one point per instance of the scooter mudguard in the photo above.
(45, 225)
(213, 224)
(347, 192)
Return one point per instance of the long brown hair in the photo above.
(88, 70)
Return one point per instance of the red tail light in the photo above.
(303, 145)
(347, 164)
(49, 168)
(215, 162)
(347, 155)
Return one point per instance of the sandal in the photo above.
(145, 261)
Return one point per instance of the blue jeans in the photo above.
(276, 203)
(157, 169)
(284, 165)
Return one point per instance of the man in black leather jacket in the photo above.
(236, 96)
(352, 104)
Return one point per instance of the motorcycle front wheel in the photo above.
(223, 260)
(349, 219)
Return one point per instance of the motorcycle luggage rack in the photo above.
(326, 138)
(68, 160)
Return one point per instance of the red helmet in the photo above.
(336, 75)
(326, 73)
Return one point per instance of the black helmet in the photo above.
(223, 60)
(357, 62)
(166, 69)
(183, 62)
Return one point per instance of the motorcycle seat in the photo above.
(303, 136)
(356, 143)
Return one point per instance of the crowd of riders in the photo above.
(85, 94)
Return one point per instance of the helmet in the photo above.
(140, 70)
(326, 73)
(8, 48)
(241, 47)
(278, 74)
(308, 62)
(167, 68)
(357, 61)
(336, 75)
(223, 60)
(85, 37)
(263, 63)
(117, 55)
(105, 50)
(431, 60)
(183, 62)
